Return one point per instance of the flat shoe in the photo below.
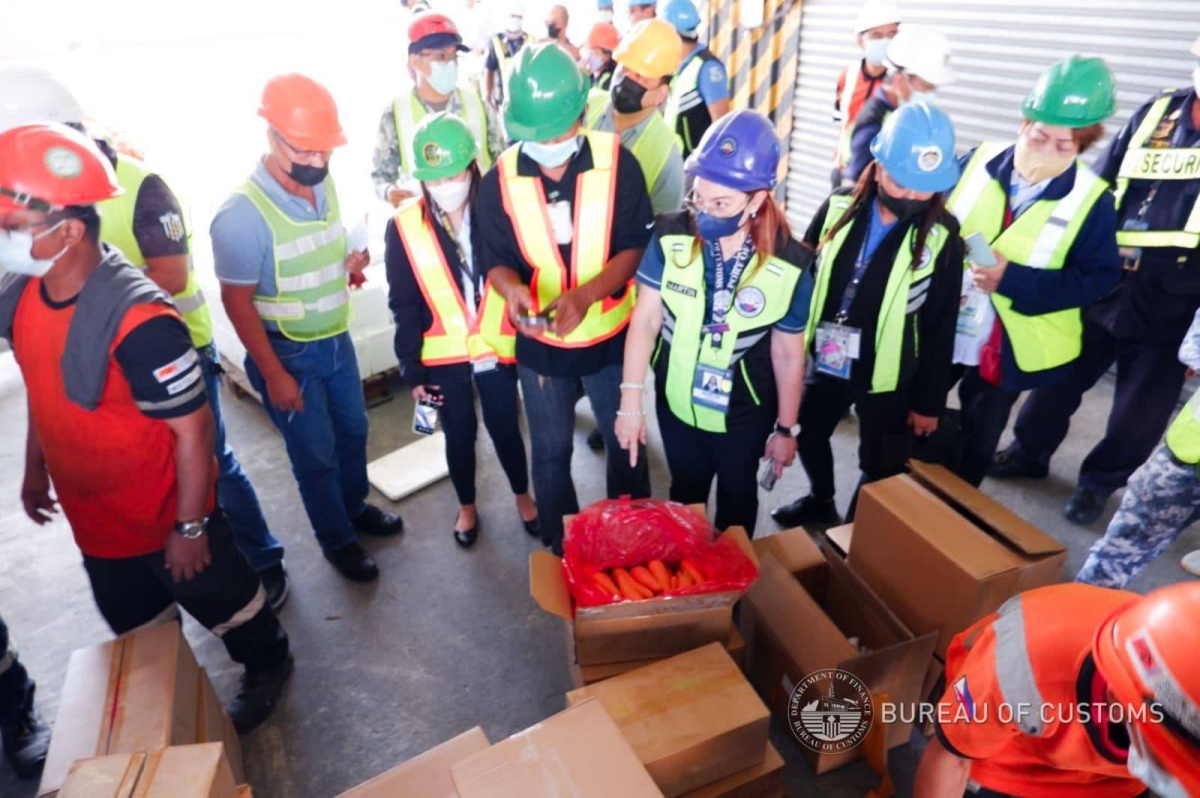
(467, 537)
(533, 527)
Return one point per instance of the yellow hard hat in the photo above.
(652, 48)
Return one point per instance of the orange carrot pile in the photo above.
(649, 580)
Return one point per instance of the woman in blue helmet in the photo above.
(721, 312)
(885, 303)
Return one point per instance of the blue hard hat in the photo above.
(740, 151)
(916, 147)
(604, 4)
(683, 15)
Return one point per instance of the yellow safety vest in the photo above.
(455, 336)
(1039, 238)
(595, 195)
(684, 89)
(906, 291)
(1183, 436)
(653, 145)
(505, 60)
(408, 111)
(116, 228)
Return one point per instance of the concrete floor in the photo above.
(446, 639)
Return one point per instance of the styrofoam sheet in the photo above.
(410, 468)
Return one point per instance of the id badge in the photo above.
(712, 387)
(561, 222)
(970, 312)
(1132, 255)
(482, 366)
(425, 418)
(837, 348)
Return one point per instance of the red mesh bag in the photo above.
(623, 533)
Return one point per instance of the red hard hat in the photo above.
(1147, 652)
(430, 31)
(303, 111)
(52, 166)
(603, 36)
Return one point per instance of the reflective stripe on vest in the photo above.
(683, 297)
(406, 116)
(595, 195)
(684, 96)
(1175, 163)
(1183, 436)
(906, 292)
(653, 145)
(506, 60)
(312, 302)
(454, 337)
(116, 228)
(853, 73)
(1039, 238)
(1014, 670)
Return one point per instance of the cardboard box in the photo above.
(692, 719)
(244, 791)
(839, 537)
(797, 624)
(579, 752)
(424, 776)
(764, 780)
(214, 726)
(942, 555)
(186, 771)
(583, 675)
(635, 630)
(793, 548)
(136, 693)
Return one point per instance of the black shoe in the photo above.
(354, 563)
(257, 696)
(1084, 507)
(275, 582)
(26, 741)
(809, 511)
(467, 537)
(377, 522)
(1008, 465)
(595, 441)
(533, 527)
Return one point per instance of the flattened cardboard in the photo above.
(185, 771)
(692, 719)
(214, 726)
(426, 775)
(583, 675)
(579, 753)
(764, 780)
(793, 548)
(113, 776)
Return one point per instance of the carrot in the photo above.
(693, 571)
(605, 582)
(646, 579)
(629, 588)
(660, 573)
(674, 583)
(685, 580)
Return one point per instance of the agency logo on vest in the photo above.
(830, 711)
(750, 301)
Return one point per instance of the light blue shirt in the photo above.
(1189, 350)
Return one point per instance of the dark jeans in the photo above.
(234, 492)
(15, 684)
(985, 411)
(695, 456)
(1149, 379)
(327, 442)
(497, 391)
(227, 598)
(550, 413)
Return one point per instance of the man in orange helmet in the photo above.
(1072, 690)
(118, 415)
(280, 252)
(598, 54)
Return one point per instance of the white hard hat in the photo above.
(30, 94)
(923, 52)
(876, 13)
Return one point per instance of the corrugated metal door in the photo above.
(999, 49)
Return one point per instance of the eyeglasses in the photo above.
(439, 56)
(719, 207)
(303, 154)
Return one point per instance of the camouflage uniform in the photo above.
(1161, 501)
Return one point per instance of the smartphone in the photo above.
(766, 474)
(542, 320)
(425, 416)
(978, 251)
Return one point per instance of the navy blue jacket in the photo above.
(869, 122)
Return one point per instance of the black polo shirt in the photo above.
(632, 223)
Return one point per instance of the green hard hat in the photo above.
(1075, 92)
(545, 94)
(443, 146)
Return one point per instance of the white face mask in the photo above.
(551, 155)
(443, 76)
(927, 96)
(1142, 767)
(451, 195)
(514, 24)
(16, 252)
(595, 61)
(606, 15)
(876, 50)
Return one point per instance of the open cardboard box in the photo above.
(797, 623)
(630, 631)
(583, 675)
(185, 771)
(426, 775)
(942, 555)
(214, 726)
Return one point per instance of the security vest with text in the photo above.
(524, 201)
(653, 145)
(116, 228)
(905, 294)
(408, 111)
(313, 300)
(685, 111)
(456, 336)
(1039, 238)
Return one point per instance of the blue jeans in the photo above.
(327, 442)
(234, 492)
(550, 411)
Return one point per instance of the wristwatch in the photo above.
(191, 529)
(791, 431)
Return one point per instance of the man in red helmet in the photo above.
(1072, 690)
(108, 361)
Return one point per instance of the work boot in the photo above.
(257, 695)
(595, 441)
(1084, 507)
(26, 740)
(275, 582)
(1010, 464)
(1191, 562)
(809, 512)
(378, 523)
(353, 562)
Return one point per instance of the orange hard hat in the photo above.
(1147, 652)
(303, 111)
(43, 167)
(603, 36)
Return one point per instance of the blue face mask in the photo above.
(712, 227)
(551, 155)
(927, 96)
(443, 76)
(876, 50)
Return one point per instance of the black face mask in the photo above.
(308, 175)
(905, 209)
(627, 95)
(553, 29)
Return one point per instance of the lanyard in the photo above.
(464, 264)
(723, 294)
(860, 268)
